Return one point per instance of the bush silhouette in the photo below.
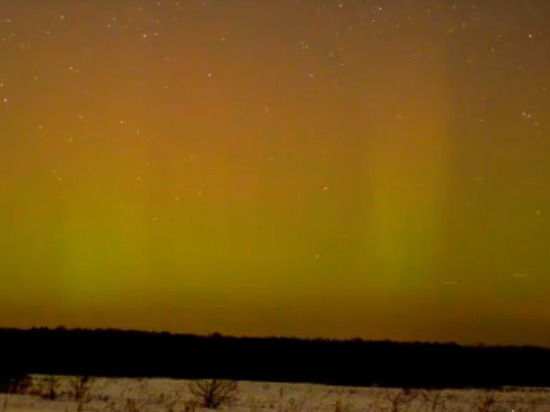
(212, 393)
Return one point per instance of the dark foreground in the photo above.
(118, 353)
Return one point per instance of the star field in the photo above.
(304, 168)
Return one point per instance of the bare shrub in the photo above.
(49, 386)
(486, 402)
(212, 393)
(167, 400)
(144, 399)
(80, 390)
(397, 399)
(13, 383)
(433, 400)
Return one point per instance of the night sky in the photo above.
(374, 169)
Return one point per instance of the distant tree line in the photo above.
(117, 353)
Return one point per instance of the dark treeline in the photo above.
(356, 362)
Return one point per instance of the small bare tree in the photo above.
(212, 393)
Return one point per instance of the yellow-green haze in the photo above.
(332, 169)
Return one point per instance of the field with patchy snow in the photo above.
(71, 394)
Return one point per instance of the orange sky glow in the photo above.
(339, 169)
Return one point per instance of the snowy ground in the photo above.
(166, 395)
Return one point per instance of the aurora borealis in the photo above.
(375, 169)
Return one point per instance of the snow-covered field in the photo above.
(166, 395)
